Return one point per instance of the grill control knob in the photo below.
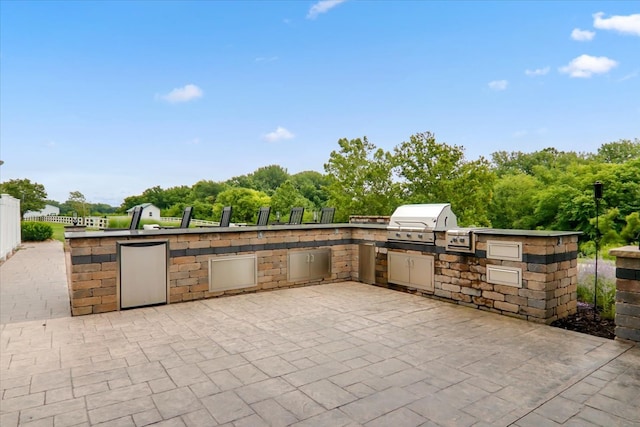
(462, 240)
(397, 234)
(420, 236)
(408, 235)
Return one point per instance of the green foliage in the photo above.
(631, 230)
(205, 191)
(433, 172)
(32, 195)
(360, 180)
(519, 162)
(78, 203)
(245, 202)
(269, 178)
(286, 197)
(35, 231)
(513, 203)
(312, 185)
(619, 151)
(606, 288)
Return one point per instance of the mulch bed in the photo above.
(584, 321)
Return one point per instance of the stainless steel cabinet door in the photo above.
(298, 265)
(143, 273)
(421, 272)
(320, 264)
(398, 268)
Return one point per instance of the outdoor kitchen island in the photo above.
(527, 274)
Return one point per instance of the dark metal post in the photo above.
(597, 193)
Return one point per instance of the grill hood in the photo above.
(417, 222)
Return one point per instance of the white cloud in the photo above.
(498, 84)
(629, 76)
(629, 24)
(183, 94)
(323, 6)
(537, 72)
(582, 35)
(278, 135)
(585, 66)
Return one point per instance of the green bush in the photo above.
(36, 231)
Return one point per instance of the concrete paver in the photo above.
(34, 284)
(338, 354)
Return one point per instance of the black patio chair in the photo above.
(187, 213)
(225, 218)
(295, 217)
(326, 215)
(136, 215)
(263, 215)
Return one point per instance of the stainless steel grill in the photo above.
(417, 223)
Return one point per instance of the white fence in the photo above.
(89, 221)
(101, 222)
(193, 221)
(9, 225)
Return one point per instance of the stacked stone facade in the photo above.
(546, 292)
(627, 292)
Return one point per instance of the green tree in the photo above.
(619, 151)
(433, 172)
(518, 162)
(360, 180)
(268, 178)
(631, 231)
(286, 197)
(245, 203)
(32, 195)
(312, 185)
(513, 202)
(78, 203)
(206, 191)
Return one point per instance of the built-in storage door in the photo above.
(298, 265)
(421, 272)
(320, 264)
(143, 273)
(398, 268)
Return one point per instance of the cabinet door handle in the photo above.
(313, 257)
(308, 258)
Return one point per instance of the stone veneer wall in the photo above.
(547, 291)
(93, 268)
(627, 292)
(549, 276)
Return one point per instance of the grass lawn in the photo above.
(58, 231)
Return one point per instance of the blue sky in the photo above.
(111, 98)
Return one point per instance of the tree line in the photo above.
(547, 189)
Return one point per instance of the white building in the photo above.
(47, 210)
(148, 211)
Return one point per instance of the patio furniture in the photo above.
(263, 216)
(326, 215)
(136, 215)
(186, 218)
(295, 217)
(225, 218)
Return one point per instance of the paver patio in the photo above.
(328, 355)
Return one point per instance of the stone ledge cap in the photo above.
(626, 252)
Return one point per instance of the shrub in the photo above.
(36, 231)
